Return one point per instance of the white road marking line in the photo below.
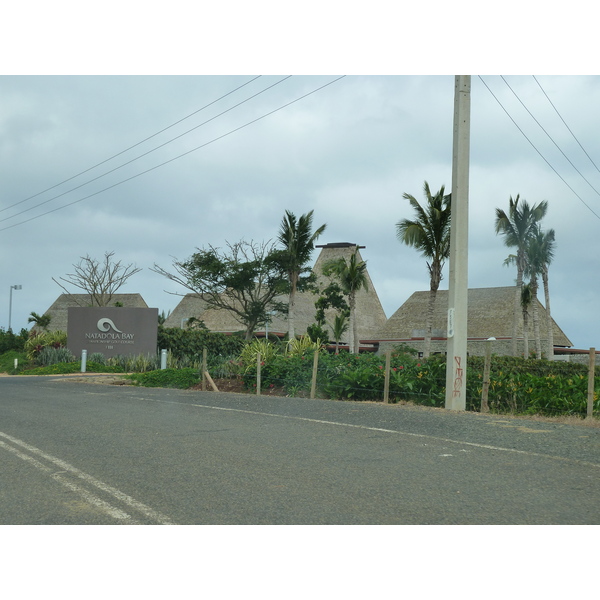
(369, 428)
(115, 493)
(85, 494)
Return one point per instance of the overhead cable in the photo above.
(131, 147)
(534, 147)
(177, 157)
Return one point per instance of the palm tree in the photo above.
(298, 240)
(340, 326)
(429, 233)
(41, 321)
(352, 276)
(518, 226)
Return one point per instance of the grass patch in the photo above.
(7, 362)
(167, 378)
(72, 367)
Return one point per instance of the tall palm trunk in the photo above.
(525, 332)
(550, 329)
(517, 309)
(429, 326)
(536, 317)
(353, 344)
(292, 308)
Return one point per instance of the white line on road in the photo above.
(115, 493)
(369, 428)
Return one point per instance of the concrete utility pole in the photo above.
(456, 359)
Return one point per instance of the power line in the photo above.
(131, 147)
(549, 136)
(574, 137)
(144, 154)
(534, 147)
(177, 157)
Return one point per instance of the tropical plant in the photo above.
(302, 345)
(41, 321)
(340, 326)
(52, 356)
(429, 233)
(297, 238)
(352, 276)
(518, 226)
(38, 341)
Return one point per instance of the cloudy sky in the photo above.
(152, 167)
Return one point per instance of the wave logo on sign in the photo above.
(106, 325)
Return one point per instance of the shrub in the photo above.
(168, 378)
(50, 355)
(191, 342)
(10, 341)
(39, 340)
(97, 357)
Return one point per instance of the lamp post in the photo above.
(12, 287)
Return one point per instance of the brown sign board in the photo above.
(112, 331)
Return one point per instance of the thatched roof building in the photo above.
(370, 314)
(59, 309)
(490, 314)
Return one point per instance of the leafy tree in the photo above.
(429, 233)
(352, 276)
(41, 321)
(245, 280)
(297, 238)
(518, 226)
(99, 279)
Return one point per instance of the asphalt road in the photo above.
(77, 453)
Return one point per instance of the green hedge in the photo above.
(191, 342)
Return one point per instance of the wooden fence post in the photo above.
(204, 361)
(386, 382)
(258, 357)
(485, 388)
(591, 373)
(313, 385)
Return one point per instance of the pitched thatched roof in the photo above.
(371, 316)
(58, 311)
(490, 313)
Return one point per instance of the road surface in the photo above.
(76, 453)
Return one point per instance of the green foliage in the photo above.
(167, 378)
(97, 357)
(7, 362)
(316, 332)
(249, 354)
(245, 280)
(11, 341)
(38, 341)
(42, 321)
(191, 342)
(68, 368)
(50, 355)
(302, 345)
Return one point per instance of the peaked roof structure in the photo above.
(370, 314)
(490, 313)
(58, 311)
